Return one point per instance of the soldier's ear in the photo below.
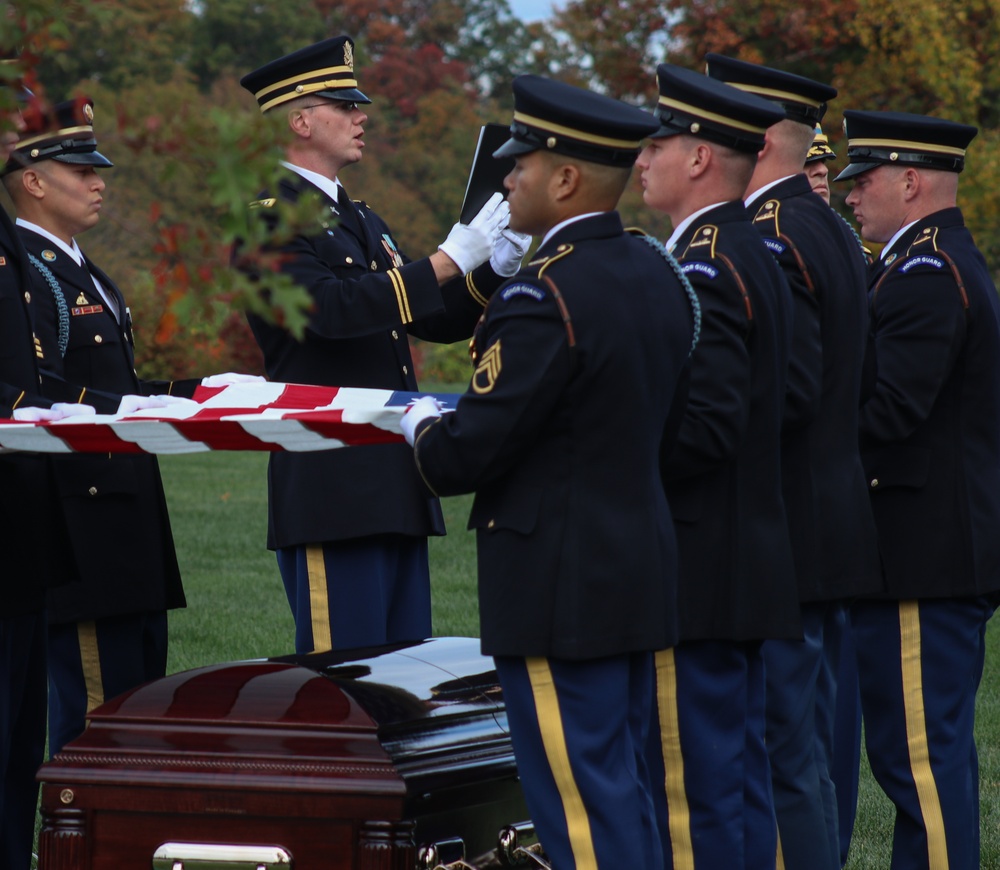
(32, 183)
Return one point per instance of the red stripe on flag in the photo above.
(92, 438)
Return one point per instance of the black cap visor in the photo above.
(852, 170)
(348, 95)
(84, 158)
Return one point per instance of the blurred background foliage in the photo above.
(190, 150)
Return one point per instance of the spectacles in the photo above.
(342, 105)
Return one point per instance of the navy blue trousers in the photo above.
(22, 733)
(358, 593)
(578, 730)
(713, 795)
(845, 763)
(919, 664)
(92, 662)
(801, 697)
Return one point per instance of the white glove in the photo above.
(422, 409)
(470, 245)
(226, 379)
(508, 252)
(59, 411)
(131, 403)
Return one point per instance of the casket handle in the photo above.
(514, 852)
(218, 856)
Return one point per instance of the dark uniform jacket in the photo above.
(113, 505)
(723, 477)
(830, 520)
(367, 298)
(930, 433)
(36, 544)
(559, 433)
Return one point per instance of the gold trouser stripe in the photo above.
(319, 598)
(90, 662)
(17, 401)
(401, 299)
(780, 864)
(678, 811)
(916, 735)
(79, 399)
(554, 741)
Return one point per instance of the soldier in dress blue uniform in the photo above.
(830, 521)
(36, 548)
(723, 482)
(351, 531)
(930, 444)
(108, 628)
(579, 360)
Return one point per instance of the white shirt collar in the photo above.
(567, 222)
(894, 239)
(684, 224)
(72, 250)
(329, 186)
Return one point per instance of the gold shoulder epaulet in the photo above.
(926, 240)
(704, 237)
(768, 213)
(263, 203)
(543, 263)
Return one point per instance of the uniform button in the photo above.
(98, 338)
(406, 371)
(874, 482)
(395, 335)
(491, 524)
(27, 297)
(92, 490)
(349, 260)
(374, 265)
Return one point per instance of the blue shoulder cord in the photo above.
(60, 301)
(854, 232)
(661, 249)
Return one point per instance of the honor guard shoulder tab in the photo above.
(777, 242)
(702, 248)
(924, 253)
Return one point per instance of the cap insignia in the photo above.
(88, 113)
(550, 142)
(894, 155)
(348, 55)
(695, 127)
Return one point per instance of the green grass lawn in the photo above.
(237, 610)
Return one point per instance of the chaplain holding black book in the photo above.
(350, 531)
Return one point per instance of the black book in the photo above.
(488, 173)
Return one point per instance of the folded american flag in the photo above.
(251, 416)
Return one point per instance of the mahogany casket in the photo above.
(394, 758)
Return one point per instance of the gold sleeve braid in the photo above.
(401, 298)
